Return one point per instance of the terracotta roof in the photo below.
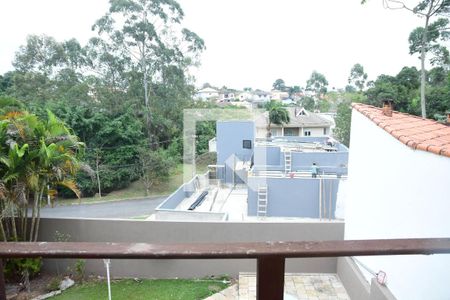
(413, 131)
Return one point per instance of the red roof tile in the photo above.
(413, 131)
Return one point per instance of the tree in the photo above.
(277, 115)
(343, 122)
(357, 76)
(279, 85)
(423, 39)
(35, 157)
(149, 33)
(317, 83)
(154, 167)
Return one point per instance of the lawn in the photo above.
(158, 289)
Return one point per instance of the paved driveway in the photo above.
(114, 209)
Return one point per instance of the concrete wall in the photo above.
(398, 192)
(356, 285)
(230, 137)
(293, 197)
(87, 230)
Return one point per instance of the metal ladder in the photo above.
(262, 201)
(287, 162)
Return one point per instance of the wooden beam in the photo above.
(224, 250)
(270, 278)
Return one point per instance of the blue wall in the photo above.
(293, 197)
(230, 135)
(229, 139)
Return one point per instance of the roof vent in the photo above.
(387, 107)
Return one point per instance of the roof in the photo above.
(208, 90)
(413, 131)
(299, 117)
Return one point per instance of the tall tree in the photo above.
(317, 83)
(357, 76)
(423, 39)
(149, 32)
(279, 85)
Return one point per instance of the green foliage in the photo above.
(279, 85)
(80, 270)
(205, 131)
(343, 122)
(317, 83)
(357, 76)
(36, 156)
(53, 285)
(15, 268)
(155, 166)
(436, 33)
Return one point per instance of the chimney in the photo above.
(387, 107)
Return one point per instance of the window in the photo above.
(307, 133)
(291, 132)
(247, 144)
(325, 131)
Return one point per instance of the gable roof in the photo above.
(299, 117)
(413, 131)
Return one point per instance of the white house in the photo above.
(279, 95)
(399, 187)
(206, 94)
(302, 123)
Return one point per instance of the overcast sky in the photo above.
(249, 42)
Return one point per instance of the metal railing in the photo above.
(270, 256)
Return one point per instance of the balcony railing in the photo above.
(270, 256)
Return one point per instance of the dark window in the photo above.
(247, 144)
(307, 133)
(324, 131)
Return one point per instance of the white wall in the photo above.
(397, 192)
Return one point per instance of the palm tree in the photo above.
(277, 115)
(34, 155)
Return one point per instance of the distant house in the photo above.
(206, 94)
(227, 95)
(278, 95)
(256, 96)
(302, 123)
(399, 187)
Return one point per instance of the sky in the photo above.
(249, 43)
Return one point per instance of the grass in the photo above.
(137, 189)
(158, 289)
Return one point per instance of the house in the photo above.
(278, 95)
(207, 94)
(302, 123)
(227, 95)
(399, 187)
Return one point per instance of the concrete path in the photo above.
(230, 293)
(114, 209)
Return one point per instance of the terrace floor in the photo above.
(298, 286)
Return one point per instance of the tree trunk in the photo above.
(38, 215)
(33, 215)
(422, 66)
(2, 229)
(13, 223)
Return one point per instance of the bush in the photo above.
(16, 268)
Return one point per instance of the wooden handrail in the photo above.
(224, 250)
(270, 255)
